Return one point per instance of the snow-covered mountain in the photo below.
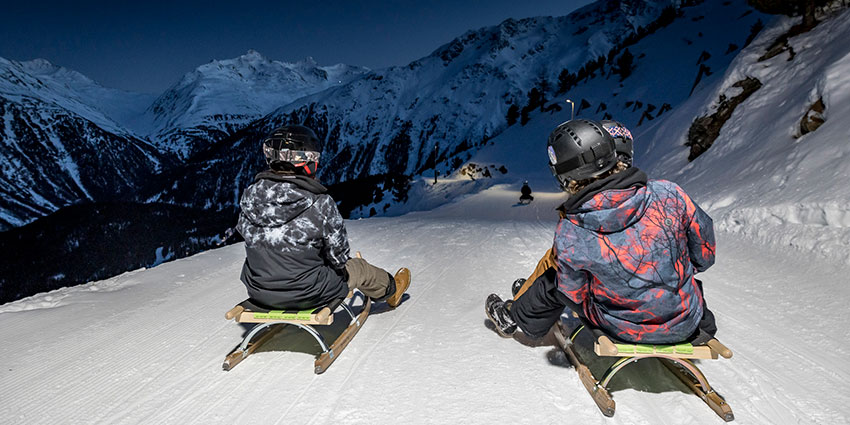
(222, 96)
(110, 109)
(53, 157)
(458, 98)
(62, 143)
(66, 139)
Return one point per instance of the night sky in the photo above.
(147, 46)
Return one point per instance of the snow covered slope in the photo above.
(147, 346)
(761, 177)
(222, 96)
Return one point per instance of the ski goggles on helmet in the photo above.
(289, 155)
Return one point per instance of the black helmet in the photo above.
(580, 149)
(622, 140)
(293, 148)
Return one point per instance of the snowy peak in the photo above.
(114, 110)
(42, 68)
(222, 95)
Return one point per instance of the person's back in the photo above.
(297, 252)
(629, 256)
(294, 241)
(525, 190)
(625, 250)
(525, 193)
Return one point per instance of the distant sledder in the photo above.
(525, 194)
(298, 270)
(624, 257)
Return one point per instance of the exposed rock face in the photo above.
(813, 118)
(705, 129)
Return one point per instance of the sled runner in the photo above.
(676, 357)
(270, 322)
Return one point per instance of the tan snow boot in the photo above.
(402, 282)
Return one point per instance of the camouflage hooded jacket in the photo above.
(629, 255)
(295, 242)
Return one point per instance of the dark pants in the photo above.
(541, 305)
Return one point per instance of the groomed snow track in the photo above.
(146, 347)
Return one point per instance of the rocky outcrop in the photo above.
(705, 129)
(813, 118)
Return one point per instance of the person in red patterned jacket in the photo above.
(625, 251)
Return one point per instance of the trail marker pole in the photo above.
(436, 145)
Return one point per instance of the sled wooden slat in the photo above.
(603, 346)
(323, 317)
(600, 394)
(246, 312)
(323, 362)
(711, 398)
(237, 355)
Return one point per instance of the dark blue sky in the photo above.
(147, 45)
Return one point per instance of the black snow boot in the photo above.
(498, 313)
(515, 287)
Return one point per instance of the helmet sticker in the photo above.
(619, 131)
(553, 159)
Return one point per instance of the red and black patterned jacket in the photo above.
(629, 256)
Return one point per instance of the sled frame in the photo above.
(683, 368)
(267, 329)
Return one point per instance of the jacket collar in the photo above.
(630, 177)
(303, 182)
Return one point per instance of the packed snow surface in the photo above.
(147, 346)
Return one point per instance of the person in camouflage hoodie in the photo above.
(625, 251)
(297, 252)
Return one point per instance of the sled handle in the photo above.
(719, 348)
(234, 312)
(606, 346)
(322, 315)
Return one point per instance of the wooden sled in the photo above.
(675, 357)
(269, 323)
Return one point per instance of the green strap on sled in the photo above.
(285, 315)
(638, 349)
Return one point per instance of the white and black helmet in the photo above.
(580, 149)
(622, 140)
(293, 148)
